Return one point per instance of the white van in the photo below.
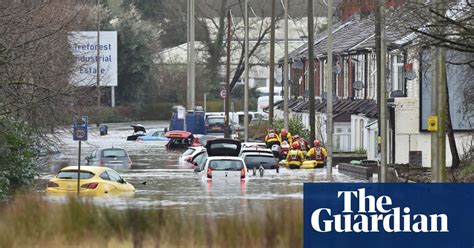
(265, 91)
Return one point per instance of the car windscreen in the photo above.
(256, 160)
(189, 151)
(226, 165)
(112, 153)
(72, 174)
(215, 121)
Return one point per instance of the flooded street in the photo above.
(161, 182)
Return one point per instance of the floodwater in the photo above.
(161, 182)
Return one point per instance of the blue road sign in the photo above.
(80, 128)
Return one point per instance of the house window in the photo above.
(398, 73)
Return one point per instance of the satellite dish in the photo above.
(410, 75)
(297, 65)
(358, 85)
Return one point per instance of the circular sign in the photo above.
(80, 133)
(223, 93)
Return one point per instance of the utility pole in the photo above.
(246, 88)
(383, 95)
(434, 112)
(272, 66)
(227, 78)
(329, 93)
(312, 124)
(442, 97)
(98, 62)
(190, 56)
(285, 71)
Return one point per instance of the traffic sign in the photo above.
(80, 128)
(223, 93)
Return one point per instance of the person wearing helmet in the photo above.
(272, 139)
(295, 157)
(285, 136)
(317, 153)
(304, 146)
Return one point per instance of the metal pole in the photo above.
(312, 124)
(434, 111)
(285, 71)
(112, 96)
(442, 99)
(98, 62)
(329, 93)
(377, 54)
(383, 96)
(205, 102)
(191, 57)
(246, 90)
(79, 169)
(227, 78)
(272, 66)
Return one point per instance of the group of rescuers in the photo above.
(299, 148)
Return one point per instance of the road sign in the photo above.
(80, 128)
(223, 93)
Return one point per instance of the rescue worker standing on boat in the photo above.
(295, 157)
(285, 136)
(317, 153)
(272, 139)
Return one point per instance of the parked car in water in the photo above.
(255, 149)
(116, 158)
(138, 131)
(181, 140)
(257, 159)
(154, 135)
(188, 155)
(223, 162)
(50, 157)
(94, 180)
(215, 124)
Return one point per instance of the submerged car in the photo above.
(223, 161)
(116, 158)
(257, 159)
(138, 131)
(93, 180)
(190, 153)
(154, 135)
(181, 140)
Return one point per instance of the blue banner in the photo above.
(389, 215)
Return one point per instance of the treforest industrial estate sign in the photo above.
(87, 52)
(388, 215)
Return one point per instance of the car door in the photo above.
(109, 185)
(117, 180)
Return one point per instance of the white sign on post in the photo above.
(84, 48)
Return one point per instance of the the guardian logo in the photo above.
(375, 215)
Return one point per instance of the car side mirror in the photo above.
(197, 169)
(122, 181)
(88, 158)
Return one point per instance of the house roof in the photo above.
(342, 109)
(356, 34)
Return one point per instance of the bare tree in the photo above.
(36, 62)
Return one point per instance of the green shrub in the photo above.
(17, 156)
(295, 126)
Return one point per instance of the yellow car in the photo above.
(94, 180)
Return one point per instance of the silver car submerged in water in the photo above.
(115, 158)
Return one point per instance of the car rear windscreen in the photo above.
(114, 153)
(226, 165)
(255, 160)
(71, 174)
(189, 151)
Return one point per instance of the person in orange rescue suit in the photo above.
(285, 136)
(303, 144)
(272, 139)
(295, 157)
(317, 153)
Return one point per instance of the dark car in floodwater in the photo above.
(115, 158)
